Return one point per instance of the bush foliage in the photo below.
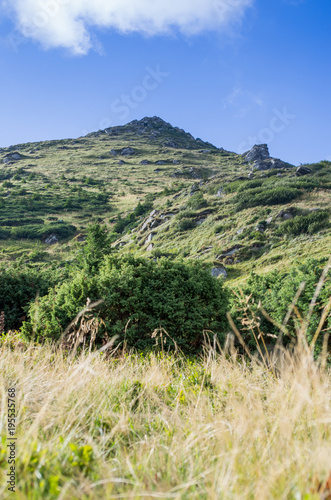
(276, 292)
(184, 299)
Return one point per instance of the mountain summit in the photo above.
(157, 131)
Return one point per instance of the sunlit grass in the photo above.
(166, 427)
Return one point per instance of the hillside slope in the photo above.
(162, 192)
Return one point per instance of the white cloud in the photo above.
(68, 23)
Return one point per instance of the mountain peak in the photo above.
(157, 131)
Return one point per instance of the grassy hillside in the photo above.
(207, 206)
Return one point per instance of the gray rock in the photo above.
(230, 251)
(12, 157)
(121, 162)
(113, 152)
(260, 228)
(286, 214)
(51, 240)
(302, 171)
(268, 164)
(171, 144)
(219, 193)
(175, 162)
(257, 153)
(260, 159)
(144, 162)
(240, 231)
(219, 271)
(150, 247)
(160, 162)
(269, 221)
(127, 151)
(149, 238)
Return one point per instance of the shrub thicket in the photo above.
(311, 223)
(18, 287)
(184, 299)
(35, 231)
(276, 292)
(267, 196)
(197, 201)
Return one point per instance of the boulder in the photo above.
(302, 171)
(286, 214)
(113, 152)
(12, 157)
(127, 151)
(51, 240)
(144, 162)
(229, 252)
(149, 238)
(270, 163)
(219, 271)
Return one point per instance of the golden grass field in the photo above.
(159, 426)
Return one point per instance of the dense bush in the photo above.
(184, 299)
(268, 196)
(35, 231)
(276, 292)
(185, 224)
(20, 222)
(310, 224)
(20, 286)
(197, 201)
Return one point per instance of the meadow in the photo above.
(123, 425)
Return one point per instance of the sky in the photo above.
(232, 72)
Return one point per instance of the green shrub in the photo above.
(197, 201)
(276, 292)
(271, 196)
(311, 223)
(35, 231)
(185, 224)
(184, 299)
(20, 222)
(18, 287)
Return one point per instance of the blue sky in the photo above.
(257, 72)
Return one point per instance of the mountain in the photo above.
(162, 193)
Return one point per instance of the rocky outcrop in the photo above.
(259, 152)
(302, 171)
(12, 157)
(259, 159)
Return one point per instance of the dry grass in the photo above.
(165, 427)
